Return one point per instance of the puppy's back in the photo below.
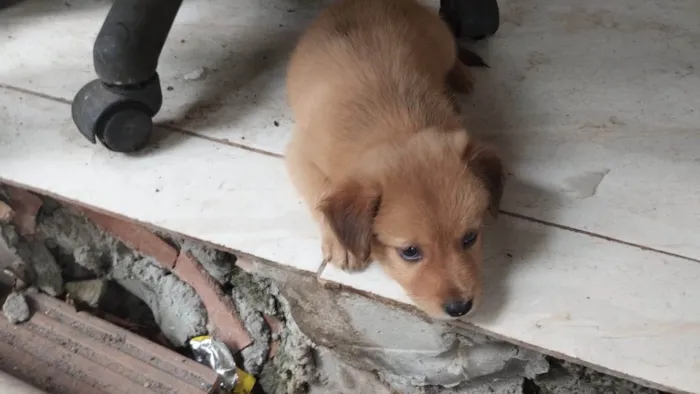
(370, 68)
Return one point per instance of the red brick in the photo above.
(61, 350)
(222, 313)
(6, 213)
(26, 206)
(274, 323)
(274, 349)
(135, 236)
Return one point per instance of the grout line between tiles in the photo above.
(599, 236)
(163, 126)
(33, 93)
(222, 141)
(276, 155)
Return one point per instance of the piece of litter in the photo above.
(214, 353)
(197, 75)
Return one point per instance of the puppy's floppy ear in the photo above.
(485, 164)
(350, 209)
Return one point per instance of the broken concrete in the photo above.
(29, 260)
(568, 378)
(26, 206)
(10, 264)
(338, 377)
(406, 349)
(15, 308)
(484, 386)
(78, 240)
(293, 368)
(220, 265)
(47, 274)
(222, 313)
(176, 306)
(136, 237)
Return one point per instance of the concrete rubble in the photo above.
(295, 333)
(15, 308)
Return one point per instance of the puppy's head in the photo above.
(418, 208)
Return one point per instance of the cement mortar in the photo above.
(47, 274)
(406, 349)
(177, 308)
(293, 368)
(220, 265)
(339, 378)
(30, 259)
(74, 236)
(175, 305)
(568, 378)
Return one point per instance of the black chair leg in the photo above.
(118, 107)
(472, 19)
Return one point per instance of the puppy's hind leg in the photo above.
(460, 79)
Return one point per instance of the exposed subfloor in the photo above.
(94, 272)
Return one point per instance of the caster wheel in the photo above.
(471, 19)
(119, 116)
(126, 130)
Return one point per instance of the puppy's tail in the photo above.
(470, 58)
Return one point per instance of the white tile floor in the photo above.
(594, 105)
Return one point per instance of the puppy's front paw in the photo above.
(335, 253)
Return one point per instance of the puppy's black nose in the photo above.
(457, 308)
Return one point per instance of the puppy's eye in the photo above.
(411, 253)
(469, 239)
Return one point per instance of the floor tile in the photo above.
(206, 190)
(594, 106)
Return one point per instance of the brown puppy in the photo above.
(381, 157)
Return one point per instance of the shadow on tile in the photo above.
(506, 248)
(161, 140)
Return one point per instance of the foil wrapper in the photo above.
(214, 353)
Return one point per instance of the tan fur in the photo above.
(379, 153)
